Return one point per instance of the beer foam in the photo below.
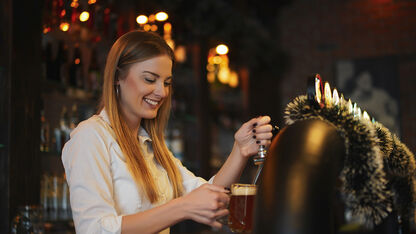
(243, 191)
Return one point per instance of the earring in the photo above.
(118, 90)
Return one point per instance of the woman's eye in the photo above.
(167, 83)
(150, 80)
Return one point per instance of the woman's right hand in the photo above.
(206, 204)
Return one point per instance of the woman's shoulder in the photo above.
(93, 126)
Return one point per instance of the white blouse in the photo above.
(102, 189)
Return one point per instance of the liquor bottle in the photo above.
(75, 69)
(94, 75)
(44, 133)
(73, 121)
(62, 131)
(62, 62)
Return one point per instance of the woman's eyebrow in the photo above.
(152, 73)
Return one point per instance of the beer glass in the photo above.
(241, 207)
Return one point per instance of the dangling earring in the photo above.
(118, 91)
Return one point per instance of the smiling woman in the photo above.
(121, 175)
(144, 89)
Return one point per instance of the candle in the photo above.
(328, 95)
(358, 113)
(366, 116)
(318, 90)
(335, 98)
(350, 109)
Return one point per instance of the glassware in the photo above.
(241, 207)
(28, 220)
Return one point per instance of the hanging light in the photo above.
(221, 49)
(84, 16)
(141, 19)
(64, 26)
(161, 16)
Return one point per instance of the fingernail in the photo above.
(257, 142)
(254, 130)
(254, 136)
(255, 124)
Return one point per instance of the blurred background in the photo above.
(235, 60)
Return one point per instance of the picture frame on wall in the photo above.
(372, 83)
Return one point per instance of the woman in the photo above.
(121, 176)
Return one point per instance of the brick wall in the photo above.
(318, 33)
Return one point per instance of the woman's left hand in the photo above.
(252, 134)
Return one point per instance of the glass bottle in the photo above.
(28, 220)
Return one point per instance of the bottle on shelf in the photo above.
(75, 69)
(94, 76)
(44, 133)
(73, 121)
(62, 132)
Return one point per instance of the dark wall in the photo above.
(5, 66)
(318, 34)
(20, 84)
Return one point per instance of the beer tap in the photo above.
(261, 156)
(259, 161)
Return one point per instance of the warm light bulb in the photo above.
(335, 97)
(221, 49)
(84, 16)
(161, 16)
(141, 19)
(211, 77)
(64, 27)
(224, 75)
(147, 27)
(328, 95)
(233, 83)
(92, 1)
(318, 90)
(153, 28)
(167, 27)
(217, 59)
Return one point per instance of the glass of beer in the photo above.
(241, 207)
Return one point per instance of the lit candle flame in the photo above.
(318, 90)
(341, 99)
(373, 120)
(350, 109)
(328, 95)
(366, 116)
(359, 113)
(335, 97)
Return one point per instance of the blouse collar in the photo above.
(142, 133)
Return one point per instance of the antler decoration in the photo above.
(379, 170)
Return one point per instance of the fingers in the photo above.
(210, 217)
(216, 188)
(261, 120)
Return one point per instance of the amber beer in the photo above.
(241, 207)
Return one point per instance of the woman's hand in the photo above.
(253, 133)
(206, 204)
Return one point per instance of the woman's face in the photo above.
(145, 87)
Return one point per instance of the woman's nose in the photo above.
(161, 90)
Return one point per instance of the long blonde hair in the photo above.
(133, 47)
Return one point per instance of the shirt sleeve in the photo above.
(189, 180)
(87, 163)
